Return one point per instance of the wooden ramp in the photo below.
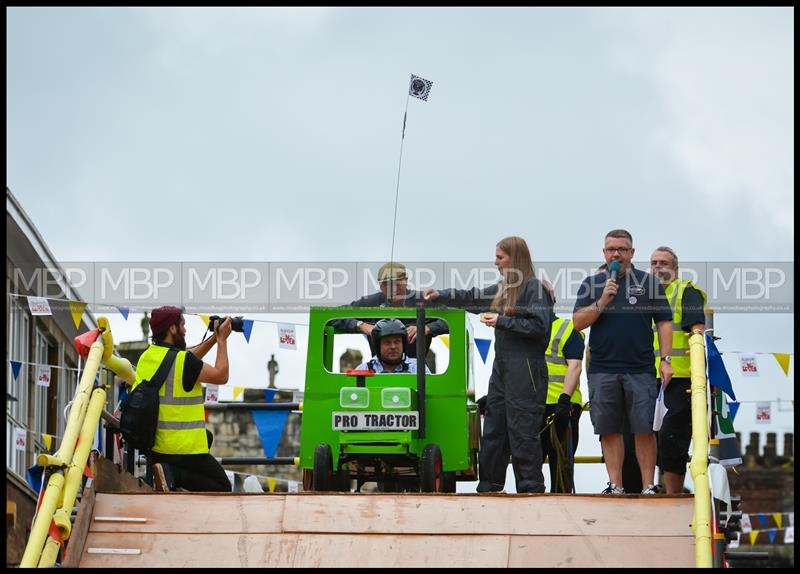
(390, 530)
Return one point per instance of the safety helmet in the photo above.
(386, 328)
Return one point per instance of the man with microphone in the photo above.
(620, 304)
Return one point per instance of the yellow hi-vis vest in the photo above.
(556, 363)
(181, 415)
(680, 338)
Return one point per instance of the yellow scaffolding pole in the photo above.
(70, 459)
(701, 520)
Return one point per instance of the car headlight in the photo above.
(396, 398)
(354, 397)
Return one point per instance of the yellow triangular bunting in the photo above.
(753, 536)
(237, 392)
(47, 439)
(77, 308)
(446, 340)
(783, 361)
(206, 319)
(778, 518)
(271, 482)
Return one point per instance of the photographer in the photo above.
(180, 454)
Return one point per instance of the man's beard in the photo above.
(180, 342)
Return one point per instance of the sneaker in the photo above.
(162, 478)
(652, 489)
(613, 489)
(484, 486)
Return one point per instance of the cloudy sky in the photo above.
(273, 134)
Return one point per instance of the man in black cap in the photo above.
(180, 452)
(394, 292)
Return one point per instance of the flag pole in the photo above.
(397, 187)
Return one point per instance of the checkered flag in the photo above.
(420, 87)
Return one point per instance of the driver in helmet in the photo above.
(390, 339)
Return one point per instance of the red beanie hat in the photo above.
(163, 318)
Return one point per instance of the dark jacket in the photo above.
(438, 326)
(528, 329)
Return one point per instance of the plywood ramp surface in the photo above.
(311, 529)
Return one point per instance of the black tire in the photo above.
(323, 469)
(431, 475)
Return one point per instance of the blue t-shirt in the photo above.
(573, 348)
(621, 340)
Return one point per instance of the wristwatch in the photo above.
(358, 324)
(667, 359)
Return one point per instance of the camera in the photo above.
(237, 323)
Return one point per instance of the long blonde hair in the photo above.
(521, 263)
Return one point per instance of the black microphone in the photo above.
(613, 270)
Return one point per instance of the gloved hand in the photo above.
(561, 416)
(481, 402)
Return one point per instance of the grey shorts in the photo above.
(612, 395)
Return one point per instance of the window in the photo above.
(40, 355)
(350, 349)
(17, 410)
(67, 383)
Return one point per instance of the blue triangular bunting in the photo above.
(483, 347)
(772, 533)
(733, 407)
(123, 311)
(270, 425)
(247, 326)
(15, 367)
(269, 394)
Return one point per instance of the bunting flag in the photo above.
(247, 327)
(778, 518)
(15, 368)
(753, 536)
(269, 394)
(420, 87)
(34, 477)
(772, 533)
(717, 374)
(446, 340)
(206, 319)
(483, 347)
(123, 311)
(783, 361)
(270, 425)
(730, 453)
(788, 535)
(762, 519)
(271, 483)
(84, 341)
(734, 408)
(237, 392)
(76, 309)
(47, 439)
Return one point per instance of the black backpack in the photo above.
(139, 417)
